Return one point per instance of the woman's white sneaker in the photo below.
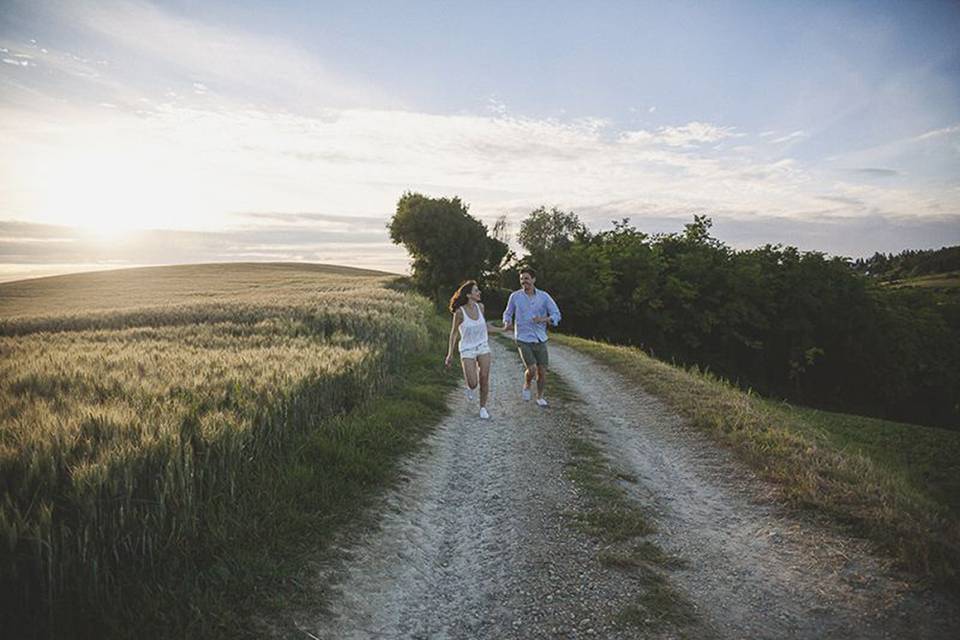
(484, 414)
(525, 394)
(542, 402)
(469, 393)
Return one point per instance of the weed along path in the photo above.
(600, 516)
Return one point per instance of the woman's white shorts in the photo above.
(478, 350)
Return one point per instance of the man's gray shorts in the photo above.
(533, 353)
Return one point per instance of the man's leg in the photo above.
(530, 366)
(543, 360)
(528, 375)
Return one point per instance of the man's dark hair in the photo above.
(533, 274)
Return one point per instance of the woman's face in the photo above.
(474, 293)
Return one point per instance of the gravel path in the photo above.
(477, 542)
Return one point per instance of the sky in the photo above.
(138, 132)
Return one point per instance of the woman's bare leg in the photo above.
(483, 361)
(470, 372)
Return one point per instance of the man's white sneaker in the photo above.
(469, 393)
(525, 394)
(542, 402)
(484, 414)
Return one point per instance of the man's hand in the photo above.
(507, 327)
(446, 361)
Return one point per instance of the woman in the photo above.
(470, 328)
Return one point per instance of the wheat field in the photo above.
(133, 404)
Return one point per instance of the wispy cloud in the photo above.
(687, 135)
(877, 172)
(937, 133)
(790, 137)
(146, 45)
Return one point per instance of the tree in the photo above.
(543, 231)
(447, 244)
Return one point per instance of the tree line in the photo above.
(910, 263)
(790, 324)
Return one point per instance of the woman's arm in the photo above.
(454, 336)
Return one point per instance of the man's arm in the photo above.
(553, 311)
(509, 312)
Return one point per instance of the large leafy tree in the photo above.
(447, 244)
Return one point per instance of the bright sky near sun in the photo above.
(142, 132)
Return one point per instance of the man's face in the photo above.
(526, 281)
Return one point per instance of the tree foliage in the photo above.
(543, 230)
(447, 244)
(910, 263)
(796, 325)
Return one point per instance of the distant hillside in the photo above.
(180, 284)
(913, 264)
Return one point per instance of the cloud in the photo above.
(200, 167)
(931, 154)
(876, 172)
(854, 202)
(938, 133)
(791, 137)
(146, 46)
(687, 135)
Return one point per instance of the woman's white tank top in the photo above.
(473, 333)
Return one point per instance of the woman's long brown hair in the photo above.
(460, 297)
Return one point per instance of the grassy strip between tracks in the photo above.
(622, 525)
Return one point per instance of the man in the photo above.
(528, 311)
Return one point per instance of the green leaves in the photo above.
(447, 244)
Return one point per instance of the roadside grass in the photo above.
(614, 518)
(896, 484)
(332, 475)
(157, 426)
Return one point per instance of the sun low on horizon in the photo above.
(140, 132)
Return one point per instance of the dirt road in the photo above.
(478, 543)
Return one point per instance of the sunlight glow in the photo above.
(110, 191)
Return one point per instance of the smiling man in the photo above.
(528, 311)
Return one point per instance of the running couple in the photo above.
(528, 311)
